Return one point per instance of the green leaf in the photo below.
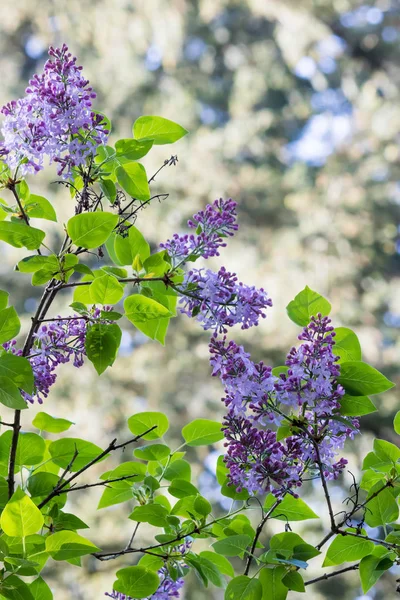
(109, 189)
(360, 379)
(220, 561)
(46, 422)
(179, 469)
(30, 449)
(139, 310)
(202, 432)
(290, 509)
(20, 235)
(347, 346)
(233, 545)
(3, 299)
(307, 304)
(206, 570)
(68, 521)
(112, 495)
(152, 452)
(132, 149)
(161, 131)
(382, 509)
(91, 230)
(62, 452)
(386, 451)
(372, 567)
(271, 581)
(137, 582)
(64, 545)
(106, 290)
(18, 370)
(294, 581)
(101, 344)
(13, 588)
(202, 506)
(20, 516)
(127, 248)
(31, 264)
(396, 423)
(180, 488)
(347, 549)
(141, 422)
(40, 590)
(42, 484)
(40, 208)
(10, 395)
(151, 562)
(356, 406)
(243, 588)
(155, 514)
(10, 324)
(132, 178)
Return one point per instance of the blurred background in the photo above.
(293, 110)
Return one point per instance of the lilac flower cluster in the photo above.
(216, 222)
(306, 399)
(56, 343)
(53, 119)
(219, 301)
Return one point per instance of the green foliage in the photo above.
(132, 177)
(65, 545)
(244, 588)
(20, 235)
(347, 345)
(142, 422)
(373, 566)
(354, 406)
(101, 344)
(272, 585)
(158, 130)
(10, 324)
(39, 208)
(360, 379)
(46, 422)
(233, 545)
(91, 230)
(290, 509)
(73, 453)
(20, 516)
(136, 581)
(346, 548)
(202, 432)
(306, 305)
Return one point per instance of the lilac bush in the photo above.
(281, 426)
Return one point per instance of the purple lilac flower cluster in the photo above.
(55, 343)
(216, 222)
(54, 119)
(306, 398)
(219, 301)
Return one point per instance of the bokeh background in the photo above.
(293, 110)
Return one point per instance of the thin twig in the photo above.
(329, 575)
(110, 448)
(258, 533)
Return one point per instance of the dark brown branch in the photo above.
(134, 280)
(370, 539)
(77, 488)
(110, 448)
(258, 533)
(334, 574)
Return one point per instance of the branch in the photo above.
(258, 533)
(325, 487)
(110, 448)
(145, 550)
(134, 280)
(388, 545)
(329, 575)
(91, 485)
